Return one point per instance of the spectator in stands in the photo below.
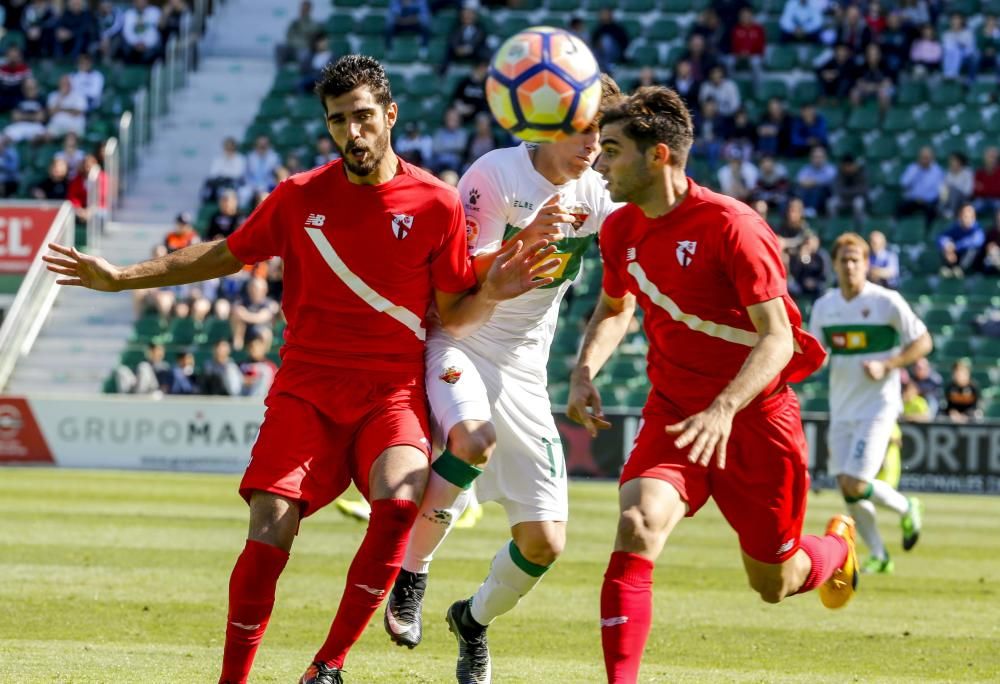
(926, 52)
(874, 80)
(609, 40)
(183, 234)
(319, 56)
(449, 142)
(10, 168)
(183, 376)
(837, 74)
(55, 186)
(721, 89)
(467, 40)
(883, 262)
(961, 396)
(895, 43)
(929, 381)
(742, 133)
(794, 227)
(261, 163)
(175, 18)
(28, 119)
(814, 181)
(748, 41)
(802, 20)
(915, 13)
(408, 16)
(227, 218)
(988, 44)
(299, 36)
(916, 409)
(324, 150)
(958, 185)
(850, 189)
(729, 13)
(986, 185)
(921, 184)
(698, 55)
(810, 269)
(220, 376)
(71, 154)
(88, 81)
(14, 72)
(38, 24)
(774, 130)
(67, 110)
(75, 30)
(254, 315)
(738, 177)
(686, 85)
(228, 170)
(77, 192)
(960, 244)
(258, 371)
(110, 22)
(482, 140)
(990, 263)
(152, 375)
(960, 53)
(469, 97)
(772, 183)
(708, 26)
(415, 146)
(876, 20)
(709, 132)
(140, 33)
(449, 176)
(646, 77)
(853, 30)
(808, 131)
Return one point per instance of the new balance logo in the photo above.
(316, 220)
(630, 254)
(248, 628)
(371, 590)
(614, 621)
(785, 547)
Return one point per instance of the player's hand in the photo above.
(547, 222)
(584, 403)
(82, 270)
(708, 433)
(518, 269)
(876, 370)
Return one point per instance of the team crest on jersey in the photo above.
(471, 232)
(865, 312)
(685, 251)
(580, 212)
(473, 196)
(401, 225)
(451, 375)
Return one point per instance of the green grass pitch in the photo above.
(121, 577)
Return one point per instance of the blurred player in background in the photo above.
(724, 342)
(871, 333)
(368, 243)
(489, 402)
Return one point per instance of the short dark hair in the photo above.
(351, 72)
(653, 115)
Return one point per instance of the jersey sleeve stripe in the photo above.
(362, 289)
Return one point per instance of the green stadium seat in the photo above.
(373, 46)
(664, 29)
(949, 288)
(148, 327)
(372, 25)
(863, 119)
(915, 286)
(946, 94)
(772, 88)
(970, 120)
(880, 148)
(980, 93)
(637, 396)
(964, 7)
(805, 92)
(442, 23)
(352, 3)
(131, 358)
(932, 121)
(405, 50)
(898, 120)
(217, 329)
(563, 5)
(559, 393)
(910, 93)
(987, 350)
(992, 410)
(909, 231)
(645, 54)
(340, 24)
(781, 58)
(845, 143)
(511, 24)
(982, 287)
(816, 405)
(835, 116)
(182, 331)
(938, 317)
(637, 6)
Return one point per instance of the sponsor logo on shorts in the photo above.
(785, 548)
(614, 621)
(451, 374)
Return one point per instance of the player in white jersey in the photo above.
(871, 333)
(489, 405)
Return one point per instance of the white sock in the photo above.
(884, 495)
(863, 512)
(508, 581)
(443, 503)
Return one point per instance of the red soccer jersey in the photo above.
(694, 271)
(361, 263)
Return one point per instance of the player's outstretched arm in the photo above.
(203, 261)
(604, 332)
(515, 270)
(708, 431)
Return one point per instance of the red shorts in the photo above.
(326, 426)
(762, 490)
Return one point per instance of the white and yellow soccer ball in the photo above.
(544, 84)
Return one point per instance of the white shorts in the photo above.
(857, 447)
(527, 472)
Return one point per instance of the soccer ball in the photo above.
(544, 84)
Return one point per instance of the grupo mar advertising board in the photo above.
(207, 434)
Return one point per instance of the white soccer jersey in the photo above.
(502, 193)
(875, 325)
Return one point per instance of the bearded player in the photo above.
(724, 342)
(871, 332)
(488, 394)
(368, 242)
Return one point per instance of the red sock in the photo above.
(827, 553)
(251, 598)
(372, 573)
(626, 615)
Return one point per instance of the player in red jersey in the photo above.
(369, 242)
(724, 341)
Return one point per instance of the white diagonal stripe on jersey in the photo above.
(362, 289)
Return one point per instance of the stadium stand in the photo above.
(931, 82)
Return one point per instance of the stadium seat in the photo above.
(946, 94)
(637, 6)
(148, 327)
(938, 317)
(880, 148)
(772, 88)
(987, 350)
(182, 331)
(909, 231)
(992, 410)
(816, 405)
(898, 120)
(932, 121)
(559, 393)
(663, 29)
(863, 119)
(805, 92)
(781, 58)
(910, 93)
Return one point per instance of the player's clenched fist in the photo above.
(584, 403)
